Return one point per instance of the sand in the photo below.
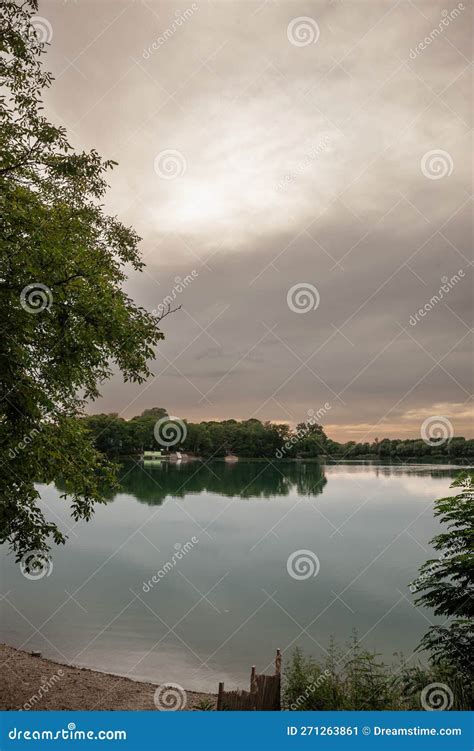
(33, 683)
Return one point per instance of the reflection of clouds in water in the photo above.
(416, 481)
(251, 539)
(420, 489)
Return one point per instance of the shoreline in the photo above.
(29, 683)
(426, 460)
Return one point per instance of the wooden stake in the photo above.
(220, 696)
(253, 682)
(278, 662)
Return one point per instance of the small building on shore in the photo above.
(152, 457)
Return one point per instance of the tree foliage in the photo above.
(64, 316)
(253, 438)
(447, 582)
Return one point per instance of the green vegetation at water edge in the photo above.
(354, 679)
(116, 436)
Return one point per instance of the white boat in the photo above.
(177, 456)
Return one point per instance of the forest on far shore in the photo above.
(115, 436)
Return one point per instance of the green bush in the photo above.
(355, 679)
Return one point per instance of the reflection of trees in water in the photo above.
(410, 472)
(247, 479)
(424, 469)
(244, 480)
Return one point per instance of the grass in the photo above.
(355, 679)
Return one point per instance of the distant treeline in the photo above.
(115, 436)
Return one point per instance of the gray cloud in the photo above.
(297, 165)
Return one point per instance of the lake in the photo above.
(223, 543)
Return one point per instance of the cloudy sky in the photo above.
(300, 174)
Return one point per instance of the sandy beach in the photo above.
(31, 682)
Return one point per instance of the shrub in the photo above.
(355, 679)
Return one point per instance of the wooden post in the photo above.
(220, 697)
(278, 663)
(253, 682)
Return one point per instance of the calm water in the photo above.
(230, 601)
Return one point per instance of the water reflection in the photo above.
(368, 523)
(247, 479)
(379, 469)
(256, 479)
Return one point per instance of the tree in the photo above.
(65, 320)
(447, 582)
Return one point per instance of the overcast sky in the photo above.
(324, 145)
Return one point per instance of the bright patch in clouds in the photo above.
(254, 175)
